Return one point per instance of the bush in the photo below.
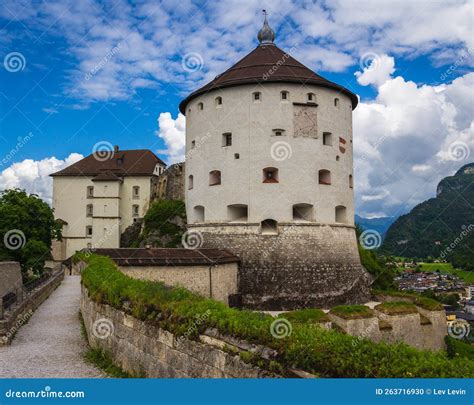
(458, 348)
(309, 348)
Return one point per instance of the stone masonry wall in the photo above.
(10, 277)
(305, 265)
(144, 349)
(170, 184)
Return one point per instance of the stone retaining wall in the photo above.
(144, 349)
(19, 314)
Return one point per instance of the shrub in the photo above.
(309, 348)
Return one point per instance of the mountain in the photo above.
(380, 224)
(441, 227)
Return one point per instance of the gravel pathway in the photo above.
(50, 345)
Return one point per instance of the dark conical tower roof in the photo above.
(267, 64)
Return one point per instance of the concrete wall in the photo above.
(215, 282)
(10, 277)
(145, 350)
(305, 265)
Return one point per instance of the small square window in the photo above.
(327, 138)
(227, 139)
(257, 96)
(284, 95)
(236, 156)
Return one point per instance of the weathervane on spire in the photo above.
(266, 34)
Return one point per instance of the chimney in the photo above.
(116, 148)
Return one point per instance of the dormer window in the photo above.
(218, 101)
(284, 95)
(200, 106)
(257, 96)
(311, 97)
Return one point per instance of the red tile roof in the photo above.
(267, 64)
(139, 162)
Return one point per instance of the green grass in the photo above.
(447, 268)
(308, 347)
(309, 315)
(352, 311)
(397, 308)
(104, 362)
(459, 348)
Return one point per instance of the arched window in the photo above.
(327, 138)
(284, 95)
(269, 227)
(89, 210)
(311, 97)
(270, 175)
(302, 212)
(336, 102)
(257, 96)
(190, 182)
(278, 132)
(218, 101)
(351, 181)
(198, 213)
(200, 106)
(237, 212)
(324, 177)
(214, 177)
(341, 214)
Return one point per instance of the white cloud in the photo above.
(33, 175)
(172, 131)
(408, 139)
(378, 71)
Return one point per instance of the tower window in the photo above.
(269, 227)
(218, 101)
(336, 102)
(89, 210)
(135, 210)
(257, 96)
(190, 182)
(302, 212)
(311, 97)
(284, 95)
(278, 132)
(237, 212)
(90, 191)
(236, 155)
(214, 178)
(200, 106)
(136, 191)
(193, 144)
(227, 139)
(341, 215)
(198, 211)
(270, 175)
(327, 138)
(325, 177)
(88, 230)
(351, 181)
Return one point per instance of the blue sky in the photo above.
(99, 71)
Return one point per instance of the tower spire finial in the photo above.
(266, 35)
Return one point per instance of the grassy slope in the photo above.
(467, 276)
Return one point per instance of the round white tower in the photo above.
(269, 177)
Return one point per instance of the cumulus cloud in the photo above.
(408, 139)
(172, 131)
(33, 175)
(379, 70)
